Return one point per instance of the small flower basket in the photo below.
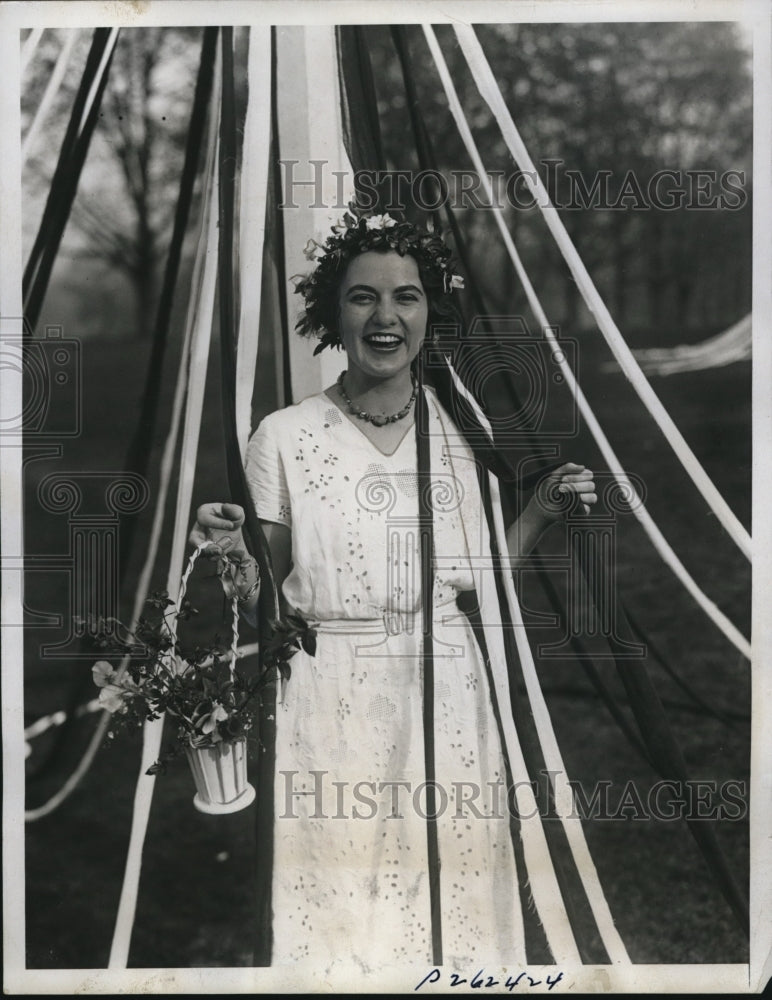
(209, 700)
(220, 774)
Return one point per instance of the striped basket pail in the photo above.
(220, 774)
(219, 771)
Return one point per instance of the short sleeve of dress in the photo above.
(266, 476)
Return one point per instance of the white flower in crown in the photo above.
(380, 222)
(451, 281)
(311, 249)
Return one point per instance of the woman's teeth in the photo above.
(385, 339)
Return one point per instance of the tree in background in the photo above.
(123, 212)
(629, 100)
(610, 99)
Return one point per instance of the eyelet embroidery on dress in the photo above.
(385, 743)
(341, 753)
(381, 708)
(442, 690)
(407, 481)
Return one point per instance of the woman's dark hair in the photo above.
(360, 234)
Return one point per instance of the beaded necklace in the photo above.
(378, 419)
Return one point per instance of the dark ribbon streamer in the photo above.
(723, 714)
(359, 106)
(64, 185)
(138, 454)
(441, 376)
(575, 899)
(465, 417)
(592, 672)
(537, 948)
(279, 243)
(427, 160)
(588, 940)
(362, 137)
(426, 536)
(659, 744)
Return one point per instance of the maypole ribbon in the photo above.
(253, 197)
(202, 314)
(359, 90)
(615, 467)
(490, 92)
(283, 337)
(426, 553)
(563, 796)
(49, 94)
(165, 474)
(138, 453)
(662, 747)
(317, 177)
(64, 184)
(428, 162)
(137, 457)
(28, 48)
(268, 604)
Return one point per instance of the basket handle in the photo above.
(181, 597)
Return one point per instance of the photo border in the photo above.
(637, 978)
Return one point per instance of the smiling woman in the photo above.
(390, 734)
(382, 320)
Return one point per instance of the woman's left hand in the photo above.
(560, 492)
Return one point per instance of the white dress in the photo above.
(350, 875)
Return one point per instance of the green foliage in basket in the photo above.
(195, 686)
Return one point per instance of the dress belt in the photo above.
(389, 623)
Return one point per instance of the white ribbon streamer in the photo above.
(165, 474)
(200, 316)
(112, 38)
(725, 348)
(489, 90)
(52, 88)
(317, 176)
(539, 869)
(28, 48)
(564, 801)
(637, 507)
(252, 203)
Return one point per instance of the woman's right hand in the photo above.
(219, 524)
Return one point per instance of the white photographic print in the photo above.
(385, 414)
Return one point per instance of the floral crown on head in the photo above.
(357, 233)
